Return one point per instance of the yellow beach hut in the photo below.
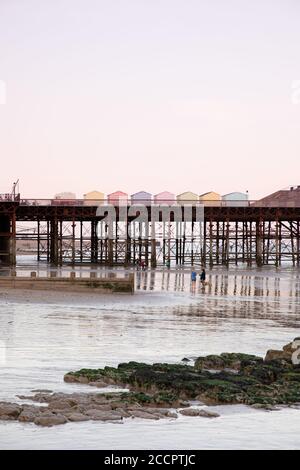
(93, 198)
(187, 198)
(210, 199)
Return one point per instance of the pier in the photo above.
(72, 232)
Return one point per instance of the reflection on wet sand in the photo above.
(250, 285)
(274, 297)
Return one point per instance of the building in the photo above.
(164, 197)
(283, 198)
(64, 199)
(235, 199)
(210, 199)
(118, 198)
(187, 197)
(93, 198)
(67, 195)
(141, 197)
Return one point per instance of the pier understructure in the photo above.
(73, 232)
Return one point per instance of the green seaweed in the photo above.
(252, 382)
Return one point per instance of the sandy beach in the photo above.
(45, 335)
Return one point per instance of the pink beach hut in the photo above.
(118, 198)
(164, 198)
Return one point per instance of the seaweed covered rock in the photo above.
(156, 389)
(225, 361)
(215, 379)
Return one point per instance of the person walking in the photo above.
(193, 275)
(193, 281)
(203, 276)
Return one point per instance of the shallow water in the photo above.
(241, 310)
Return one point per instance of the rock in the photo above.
(60, 405)
(275, 354)
(99, 384)
(76, 417)
(162, 412)
(296, 406)
(171, 414)
(50, 419)
(123, 413)
(98, 415)
(261, 406)
(41, 390)
(104, 407)
(156, 390)
(185, 359)
(183, 403)
(291, 347)
(70, 378)
(9, 410)
(198, 412)
(144, 415)
(27, 416)
(208, 414)
(38, 397)
(286, 353)
(173, 385)
(225, 361)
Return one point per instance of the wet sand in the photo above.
(45, 336)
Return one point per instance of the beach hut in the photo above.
(210, 199)
(93, 198)
(164, 197)
(235, 199)
(141, 197)
(187, 198)
(118, 198)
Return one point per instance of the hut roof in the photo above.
(140, 193)
(118, 193)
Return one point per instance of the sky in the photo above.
(153, 95)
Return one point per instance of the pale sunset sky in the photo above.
(156, 95)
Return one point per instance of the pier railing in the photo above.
(103, 202)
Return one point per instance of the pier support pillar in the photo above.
(259, 244)
(54, 242)
(110, 252)
(94, 241)
(153, 253)
(127, 245)
(8, 239)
